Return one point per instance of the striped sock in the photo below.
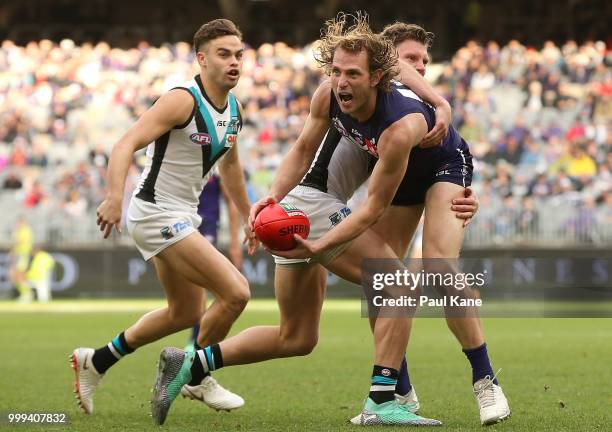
(384, 380)
(111, 353)
(206, 361)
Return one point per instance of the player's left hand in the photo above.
(251, 240)
(465, 208)
(303, 249)
(440, 129)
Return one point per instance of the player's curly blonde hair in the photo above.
(337, 33)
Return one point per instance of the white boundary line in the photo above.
(134, 305)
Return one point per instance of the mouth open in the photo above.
(345, 97)
(234, 73)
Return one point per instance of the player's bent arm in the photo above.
(394, 149)
(410, 77)
(297, 161)
(172, 109)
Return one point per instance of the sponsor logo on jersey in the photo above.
(200, 138)
(355, 137)
(234, 126)
(231, 138)
(221, 123)
(371, 145)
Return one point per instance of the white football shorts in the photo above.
(154, 228)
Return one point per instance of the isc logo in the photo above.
(221, 123)
(200, 138)
(293, 229)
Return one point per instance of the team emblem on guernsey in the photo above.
(200, 138)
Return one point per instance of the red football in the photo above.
(276, 224)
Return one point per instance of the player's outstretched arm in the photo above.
(172, 109)
(394, 149)
(411, 78)
(298, 159)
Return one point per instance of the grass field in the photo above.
(557, 373)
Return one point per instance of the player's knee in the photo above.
(240, 296)
(301, 346)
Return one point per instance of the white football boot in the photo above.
(491, 401)
(86, 378)
(211, 393)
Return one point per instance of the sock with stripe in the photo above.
(205, 361)
(403, 386)
(384, 380)
(111, 353)
(481, 364)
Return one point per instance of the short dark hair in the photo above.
(399, 32)
(213, 30)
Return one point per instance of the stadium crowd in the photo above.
(538, 121)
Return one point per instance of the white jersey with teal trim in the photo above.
(179, 163)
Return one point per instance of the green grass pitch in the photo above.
(557, 373)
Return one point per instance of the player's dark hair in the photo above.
(213, 30)
(399, 32)
(355, 38)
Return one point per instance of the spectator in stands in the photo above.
(528, 219)
(12, 182)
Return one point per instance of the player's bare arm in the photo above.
(232, 177)
(394, 151)
(234, 249)
(172, 109)
(298, 159)
(410, 77)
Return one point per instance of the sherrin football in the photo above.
(276, 224)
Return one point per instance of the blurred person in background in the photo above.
(40, 272)
(23, 240)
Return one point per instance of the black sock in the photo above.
(205, 361)
(384, 380)
(111, 353)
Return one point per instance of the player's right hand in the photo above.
(257, 207)
(440, 129)
(109, 216)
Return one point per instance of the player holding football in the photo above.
(188, 131)
(431, 190)
(361, 94)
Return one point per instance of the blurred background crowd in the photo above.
(538, 121)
